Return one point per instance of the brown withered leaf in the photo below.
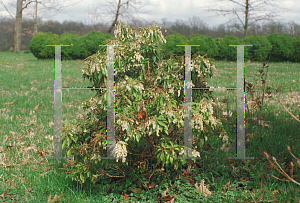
(36, 107)
(151, 185)
(2, 196)
(33, 81)
(126, 197)
(226, 186)
(55, 199)
(202, 188)
(140, 115)
(136, 190)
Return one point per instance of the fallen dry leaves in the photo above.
(55, 198)
(203, 189)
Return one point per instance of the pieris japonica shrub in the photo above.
(149, 110)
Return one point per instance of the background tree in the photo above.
(49, 5)
(121, 9)
(253, 10)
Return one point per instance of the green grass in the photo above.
(26, 119)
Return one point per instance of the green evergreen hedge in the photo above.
(284, 48)
(38, 47)
(207, 45)
(81, 46)
(296, 49)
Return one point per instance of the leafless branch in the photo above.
(7, 10)
(27, 5)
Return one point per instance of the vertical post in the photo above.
(57, 104)
(188, 103)
(240, 108)
(110, 102)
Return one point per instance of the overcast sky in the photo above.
(155, 10)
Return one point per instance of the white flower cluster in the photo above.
(198, 119)
(224, 137)
(194, 152)
(138, 56)
(205, 106)
(169, 114)
(120, 151)
(139, 86)
(96, 157)
(124, 124)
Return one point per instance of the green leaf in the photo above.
(82, 178)
(118, 102)
(100, 75)
(162, 124)
(69, 141)
(171, 160)
(69, 153)
(128, 130)
(72, 137)
(89, 173)
(167, 159)
(176, 166)
(161, 117)
(163, 158)
(128, 101)
(183, 161)
(64, 144)
(161, 100)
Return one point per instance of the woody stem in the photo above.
(149, 72)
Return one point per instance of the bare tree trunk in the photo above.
(116, 18)
(246, 19)
(35, 29)
(18, 27)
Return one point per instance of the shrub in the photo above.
(90, 43)
(38, 47)
(171, 48)
(149, 110)
(231, 50)
(221, 48)
(81, 46)
(256, 55)
(207, 45)
(296, 49)
(72, 52)
(282, 47)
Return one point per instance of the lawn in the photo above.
(27, 116)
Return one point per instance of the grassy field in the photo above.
(26, 119)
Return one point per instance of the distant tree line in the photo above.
(194, 26)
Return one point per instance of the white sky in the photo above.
(156, 11)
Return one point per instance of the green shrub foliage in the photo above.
(90, 43)
(221, 48)
(258, 54)
(296, 49)
(72, 52)
(38, 47)
(171, 48)
(282, 47)
(149, 111)
(207, 45)
(80, 46)
(231, 52)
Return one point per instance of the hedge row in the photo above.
(284, 48)
(81, 46)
